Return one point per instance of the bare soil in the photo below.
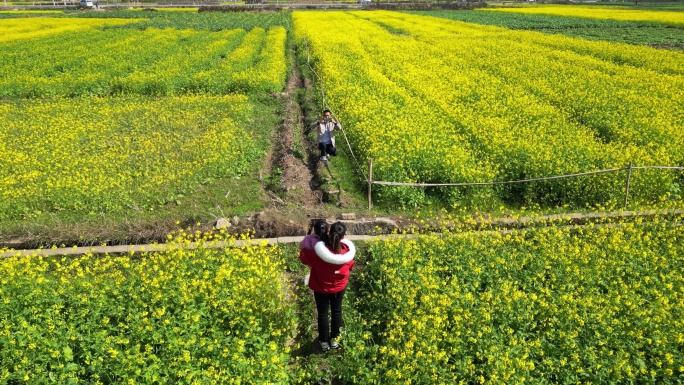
(675, 46)
(298, 174)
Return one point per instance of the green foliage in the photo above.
(632, 32)
(213, 21)
(110, 62)
(533, 22)
(272, 180)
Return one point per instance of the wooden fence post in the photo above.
(370, 183)
(629, 176)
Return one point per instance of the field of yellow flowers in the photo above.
(31, 28)
(91, 123)
(595, 12)
(113, 154)
(432, 100)
(196, 316)
(109, 61)
(600, 304)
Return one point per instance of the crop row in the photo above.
(114, 154)
(198, 316)
(537, 21)
(27, 13)
(630, 32)
(594, 12)
(213, 21)
(110, 62)
(432, 100)
(560, 305)
(29, 28)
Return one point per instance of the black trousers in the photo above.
(334, 302)
(327, 149)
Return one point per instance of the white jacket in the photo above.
(328, 126)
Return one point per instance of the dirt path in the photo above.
(294, 171)
(296, 182)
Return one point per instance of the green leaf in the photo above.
(640, 363)
(68, 353)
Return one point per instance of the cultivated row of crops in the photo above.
(439, 101)
(181, 316)
(429, 100)
(632, 32)
(175, 317)
(31, 28)
(27, 12)
(190, 19)
(517, 20)
(111, 62)
(114, 154)
(601, 13)
(143, 145)
(600, 304)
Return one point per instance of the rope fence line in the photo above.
(628, 168)
(497, 182)
(657, 167)
(378, 182)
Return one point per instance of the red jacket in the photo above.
(329, 271)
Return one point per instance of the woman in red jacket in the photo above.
(330, 262)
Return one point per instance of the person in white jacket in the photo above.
(326, 135)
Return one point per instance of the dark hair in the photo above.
(320, 228)
(335, 235)
(324, 111)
